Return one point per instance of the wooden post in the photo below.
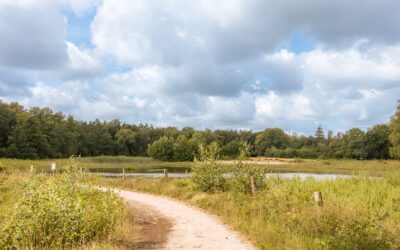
(318, 198)
(165, 173)
(123, 174)
(253, 186)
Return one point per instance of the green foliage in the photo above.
(209, 175)
(207, 172)
(231, 150)
(162, 149)
(377, 142)
(125, 139)
(356, 140)
(394, 128)
(240, 174)
(40, 133)
(59, 212)
(271, 138)
(184, 149)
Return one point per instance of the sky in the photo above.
(218, 64)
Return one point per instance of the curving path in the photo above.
(190, 227)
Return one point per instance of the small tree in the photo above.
(242, 173)
(207, 172)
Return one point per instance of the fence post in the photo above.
(253, 186)
(318, 198)
(165, 173)
(123, 174)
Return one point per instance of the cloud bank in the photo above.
(209, 64)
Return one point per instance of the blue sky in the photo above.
(233, 64)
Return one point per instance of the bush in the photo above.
(59, 213)
(207, 172)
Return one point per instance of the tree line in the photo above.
(38, 133)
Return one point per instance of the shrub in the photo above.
(59, 213)
(207, 172)
(240, 177)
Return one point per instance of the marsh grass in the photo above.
(358, 213)
(343, 166)
(99, 162)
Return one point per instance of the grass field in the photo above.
(100, 163)
(358, 213)
(344, 166)
(138, 164)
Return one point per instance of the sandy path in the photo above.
(191, 227)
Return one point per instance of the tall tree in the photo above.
(356, 144)
(377, 142)
(319, 135)
(271, 137)
(125, 139)
(394, 127)
(162, 149)
(184, 150)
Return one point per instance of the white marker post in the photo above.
(53, 167)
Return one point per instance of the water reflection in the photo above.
(171, 174)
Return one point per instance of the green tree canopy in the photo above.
(184, 149)
(162, 149)
(394, 128)
(125, 139)
(271, 137)
(355, 144)
(377, 142)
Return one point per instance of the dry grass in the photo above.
(358, 213)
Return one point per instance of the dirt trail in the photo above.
(187, 227)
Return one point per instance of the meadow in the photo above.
(96, 164)
(138, 164)
(357, 213)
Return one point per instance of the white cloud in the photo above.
(206, 63)
(82, 64)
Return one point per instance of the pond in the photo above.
(159, 173)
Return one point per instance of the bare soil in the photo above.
(164, 223)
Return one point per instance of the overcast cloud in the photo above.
(240, 64)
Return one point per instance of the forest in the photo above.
(39, 133)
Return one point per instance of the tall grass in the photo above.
(99, 162)
(58, 212)
(358, 213)
(119, 159)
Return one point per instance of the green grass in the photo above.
(23, 199)
(95, 163)
(116, 163)
(363, 167)
(358, 213)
